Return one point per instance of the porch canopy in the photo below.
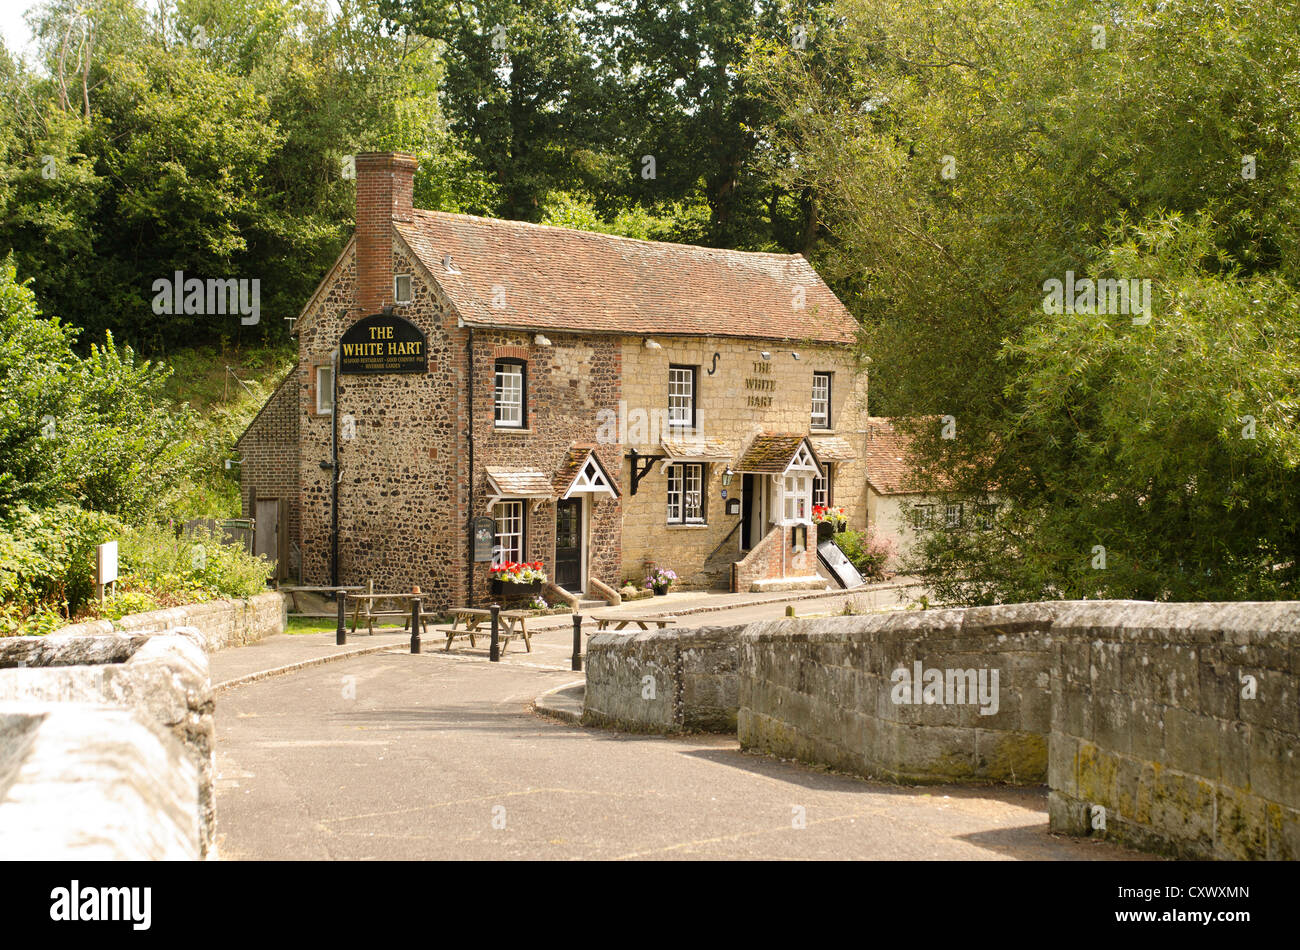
(779, 454)
(517, 483)
(582, 473)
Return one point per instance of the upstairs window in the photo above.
(324, 390)
(402, 288)
(681, 396)
(821, 401)
(511, 394)
(686, 494)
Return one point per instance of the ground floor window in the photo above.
(686, 494)
(822, 488)
(509, 518)
(952, 516)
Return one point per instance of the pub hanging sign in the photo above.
(383, 344)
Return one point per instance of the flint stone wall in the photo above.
(223, 623)
(694, 674)
(162, 679)
(1168, 727)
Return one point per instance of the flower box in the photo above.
(510, 589)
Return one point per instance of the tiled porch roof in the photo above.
(512, 483)
(771, 453)
(832, 448)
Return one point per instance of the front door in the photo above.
(568, 544)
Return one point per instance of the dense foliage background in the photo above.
(940, 162)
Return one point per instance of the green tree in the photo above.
(965, 157)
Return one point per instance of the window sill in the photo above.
(513, 429)
(685, 527)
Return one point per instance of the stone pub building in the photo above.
(470, 390)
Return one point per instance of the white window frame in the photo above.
(397, 288)
(325, 393)
(796, 498)
(951, 520)
(513, 416)
(686, 481)
(822, 487)
(821, 418)
(677, 376)
(508, 523)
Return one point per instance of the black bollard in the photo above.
(495, 653)
(341, 634)
(415, 625)
(577, 642)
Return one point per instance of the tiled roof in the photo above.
(696, 449)
(887, 469)
(832, 448)
(770, 454)
(561, 279)
(512, 483)
(572, 466)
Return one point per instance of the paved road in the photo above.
(394, 756)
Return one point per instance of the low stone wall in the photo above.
(1168, 727)
(161, 680)
(664, 681)
(1175, 727)
(915, 696)
(223, 623)
(93, 783)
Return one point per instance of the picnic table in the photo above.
(371, 614)
(294, 590)
(620, 621)
(470, 621)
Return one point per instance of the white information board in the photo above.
(106, 563)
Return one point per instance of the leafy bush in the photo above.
(47, 563)
(866, 552)
(193, 567)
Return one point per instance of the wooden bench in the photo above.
(619, 622)
(472, 621)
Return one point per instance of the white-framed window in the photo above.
(822, 487)
(985, 515)
(821, 401)
(509, 518)
(797, 497)
(923, 516)
(511, 394)
(952, 516)
(686, 494)
(324, 390)
(401, 288)
(681, 396)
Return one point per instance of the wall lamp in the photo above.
(727, 475)
(766, 355)
(652, 345)
(541, 340)
(795, 355)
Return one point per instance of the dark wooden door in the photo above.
(568, 544)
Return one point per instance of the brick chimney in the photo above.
(385, 182)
